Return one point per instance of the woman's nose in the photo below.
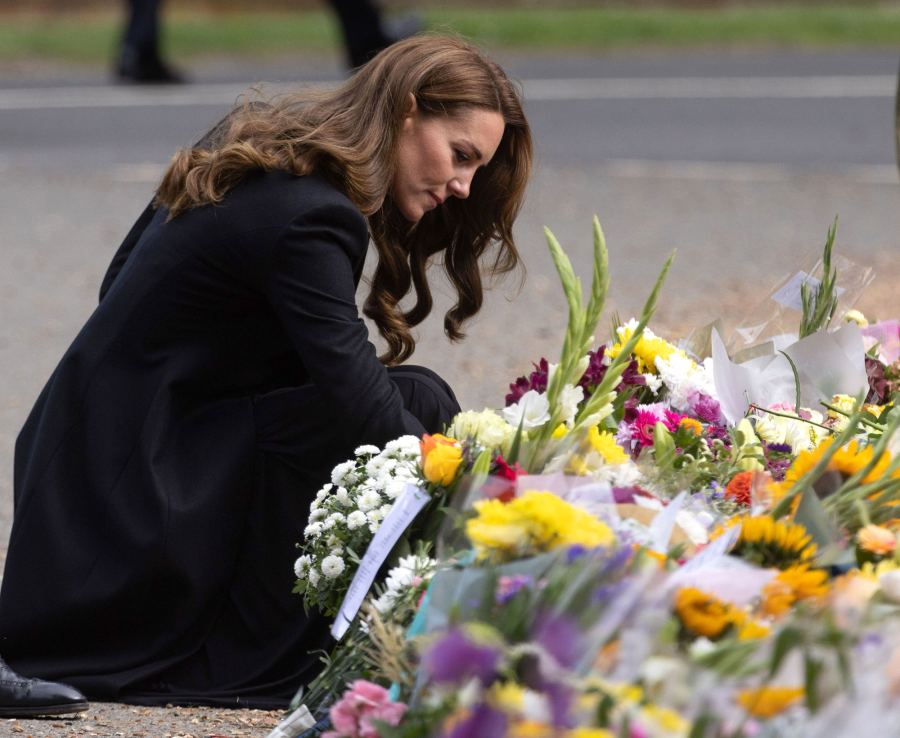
(459, 187)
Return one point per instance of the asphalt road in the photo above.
(741, 161)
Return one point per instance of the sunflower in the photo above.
(792, 585)
(847, 460)
(766, 702)
(703, 614)
(767, 542)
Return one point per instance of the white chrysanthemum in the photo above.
(343, 497)
(375, 516)
(394, 488)
(356, 519)
(410, 570)
(653, 382)
(569, 399)
(531, 411)
(796, 432)
(367, 450)
(313, 530)
(332, 566)
(684, 378)
(385, 510)
(301, 565)
(335, 518)
(317, 514)
(373, 527)
(334, 543)
(343, 473)
(313, 576)
(369, 500)
(405, 446)
(486, 428)
(373, 465)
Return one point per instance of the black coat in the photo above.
(166, 470)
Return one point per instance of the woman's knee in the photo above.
(426, 395)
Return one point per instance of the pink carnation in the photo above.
(353, 716)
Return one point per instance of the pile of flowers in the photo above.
(620, 553)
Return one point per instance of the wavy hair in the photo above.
(349, 135)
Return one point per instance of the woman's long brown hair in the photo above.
(349, 136)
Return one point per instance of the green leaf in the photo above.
(663, 446)
(787, 639)
(796, 381)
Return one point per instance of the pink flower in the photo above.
(642, 427)
(353, 716)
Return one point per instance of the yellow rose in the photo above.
(441, 463)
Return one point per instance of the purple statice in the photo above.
(454, 659)
(705, 408)
(559, 700)
(509, 586)
(536, 381)
(482, 721)
(778, 459)
(559, 636)
(575, 552)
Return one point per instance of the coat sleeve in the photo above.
(308, 279)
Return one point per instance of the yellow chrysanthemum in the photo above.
(792, 585)
(769, 542)
(766, 702)
(692, 424)
(702, 614)
(646, 350)
(604, 443)
(535, 522)
(873, 571)
(666, 719)
(751, 630)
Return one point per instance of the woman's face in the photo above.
(437, 157)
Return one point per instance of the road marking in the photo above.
(749, 172)
(700, 171)
(536, 90)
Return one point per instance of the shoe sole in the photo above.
(44, 710)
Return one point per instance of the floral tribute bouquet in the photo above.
(650, 541)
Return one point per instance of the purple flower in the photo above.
(560, 637)
(509, 587)
(573, 553)
(537, 381)
(559, 699)
(454, 658)
(705, 408)
(779, 448)
(483, 722)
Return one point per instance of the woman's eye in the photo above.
(461, 156)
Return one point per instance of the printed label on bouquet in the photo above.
(789, 294)
(405, 509)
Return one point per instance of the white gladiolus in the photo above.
(531, 411)
(569, 399)
(332, 566)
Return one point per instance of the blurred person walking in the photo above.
(362, 27)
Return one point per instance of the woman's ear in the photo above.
(412, 106)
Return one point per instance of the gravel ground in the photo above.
(104, 720)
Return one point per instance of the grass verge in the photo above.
(91, 37)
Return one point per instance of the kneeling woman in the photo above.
(166, 470)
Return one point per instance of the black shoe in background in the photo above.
(21, 697)
(134, 68)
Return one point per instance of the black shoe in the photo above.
(21, 697)
(136, 69)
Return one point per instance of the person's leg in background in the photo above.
(139, 56)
